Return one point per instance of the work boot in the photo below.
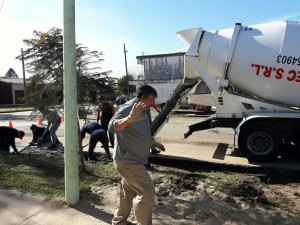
(91, 157)
(52, 147)
(109, 157)
(106, 148)
(155, 151)
(32, 143)
(57, 142)
(148, 166)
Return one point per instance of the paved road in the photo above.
(216, 145)
(23, 121)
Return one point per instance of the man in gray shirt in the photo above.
(54, 121)
(131, 125)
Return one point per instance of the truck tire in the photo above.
(260, 142)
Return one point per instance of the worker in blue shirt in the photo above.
(97, 134)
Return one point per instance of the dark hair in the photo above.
(21, 134)
(101, 97)
(146, 90)
(33, 126)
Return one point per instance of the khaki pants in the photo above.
(136, 182)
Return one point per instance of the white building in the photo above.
(163, 72)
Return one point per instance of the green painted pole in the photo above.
(70, 105)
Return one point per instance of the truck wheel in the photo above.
(260, 142)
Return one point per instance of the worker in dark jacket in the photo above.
(97, 133)
(106, 111)
(39, 132)
(7, 138)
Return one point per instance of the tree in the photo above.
(122, 85)
(44, 60)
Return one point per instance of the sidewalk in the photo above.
(19, 209)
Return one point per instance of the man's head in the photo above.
(21, 134)
(33, 127)
(147, 95)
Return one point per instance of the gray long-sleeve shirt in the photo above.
(132, 143)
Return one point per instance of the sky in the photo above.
(146, 27)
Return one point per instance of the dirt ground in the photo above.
(255, 196)
(192, 201)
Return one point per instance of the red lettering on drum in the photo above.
(268, 71)
(277, 73)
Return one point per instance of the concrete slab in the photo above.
(19, 209)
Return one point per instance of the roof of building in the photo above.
(11, 74)
(13, 80)
(161, 55)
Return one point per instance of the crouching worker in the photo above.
(7, 138)
(40, 135)
(97, 133)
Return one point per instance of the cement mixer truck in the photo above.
(253, 73)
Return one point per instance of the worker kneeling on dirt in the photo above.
(40, 135)
(97, 133)
(7, 138)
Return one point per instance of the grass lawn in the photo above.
(39, 174)
(15, 109)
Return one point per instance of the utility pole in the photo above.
(23, 66)
(70, 105)
(126, 72)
